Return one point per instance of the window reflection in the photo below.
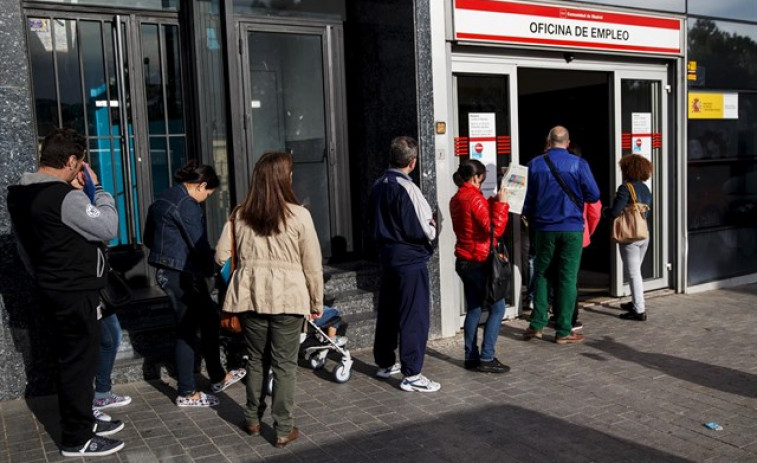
(165, 5)
(745, 10)
(316, 7)
(725, 54)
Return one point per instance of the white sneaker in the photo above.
(419, 383)
(233, 376)
(100, 415)
(388, 372)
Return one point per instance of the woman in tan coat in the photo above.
(278, 282)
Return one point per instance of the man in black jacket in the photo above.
(60, 234)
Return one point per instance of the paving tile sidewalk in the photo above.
(632, 392)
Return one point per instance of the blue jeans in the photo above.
(474, 278)
(110, 339)
(327, 318)
(198, 325)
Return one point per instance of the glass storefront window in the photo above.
(676, 6)
(744, 10)
(164, 5)
(722, 194)
(725, 54)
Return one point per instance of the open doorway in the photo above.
(581, 101)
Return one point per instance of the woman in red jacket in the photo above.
(472, 219)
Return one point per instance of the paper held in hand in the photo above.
(516, 182)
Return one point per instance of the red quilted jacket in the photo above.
(472, 216)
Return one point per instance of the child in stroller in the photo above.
(320, 337)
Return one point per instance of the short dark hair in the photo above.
(403, 151)
(194, 172)
(59, 145)
(635, 167)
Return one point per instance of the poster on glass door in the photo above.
(482, 139)
(641, 134)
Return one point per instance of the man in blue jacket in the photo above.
(404, 229)
(554, 206)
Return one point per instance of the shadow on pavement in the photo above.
(713, 376)
(490, 434)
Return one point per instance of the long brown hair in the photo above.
(265, 207)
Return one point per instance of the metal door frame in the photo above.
(661, 254)
(335, 111)
(618, 67)
(126, 39)
(485, 66)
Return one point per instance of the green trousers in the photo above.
(272, 340)
(562, 251)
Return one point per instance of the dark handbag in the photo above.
(631, 224)
(498, 273)
(116, 293)
(230, 320)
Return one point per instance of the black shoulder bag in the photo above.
(562, 183)
(116, 293)
(498, 273)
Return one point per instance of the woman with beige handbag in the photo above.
(629, 209)
(278, 282)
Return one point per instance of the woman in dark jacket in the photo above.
(636, 170)
(472, 219)
(176, 236)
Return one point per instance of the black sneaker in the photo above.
(577, 326)
(640, 317)
(628, 306)
(106, 428)
(492, 366)
(472, 364)
(95, 447)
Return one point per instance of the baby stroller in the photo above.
(316, 346)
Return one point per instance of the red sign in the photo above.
(551, 25)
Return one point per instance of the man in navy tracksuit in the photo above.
(404, 229)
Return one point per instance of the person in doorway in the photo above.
(474, 220)
(176, 236)
(559, 184)
(404, 229)
(278, 282)
(635, 170)
(61, 239)
(591, 215)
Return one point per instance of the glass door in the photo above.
(294, 102)
(118, 81)
(641, 122)
(484, 100)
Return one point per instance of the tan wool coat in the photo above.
(278, 274)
